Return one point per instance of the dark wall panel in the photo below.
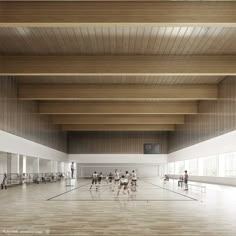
(214, 118)
(114, 142)
(21, 118)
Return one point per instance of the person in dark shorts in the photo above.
(94, 179)
(127, 175)
(100, 176)
(185, 180)
(133, 186)
(44, 180)
(124, 182)
(116, 177)
(110, 177)
(134, 178)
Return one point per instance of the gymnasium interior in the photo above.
(140, 91)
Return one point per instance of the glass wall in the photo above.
(192, 167)
(223, 165)
(227, 166)
(179, 167)
(210, 166)
(171, 168)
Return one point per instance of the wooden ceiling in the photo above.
(118, 40)
(118, 65)
(130, 80)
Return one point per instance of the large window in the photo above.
(179, 168)
(209, 166)
(171, 168)
(193, 167)
(227, 167)
(223, 165)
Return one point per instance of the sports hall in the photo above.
(118, 117)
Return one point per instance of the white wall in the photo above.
(32, 165)
(14, 163)
(119, 158)
(14, 144)
(143, 170)
(162, 169)
(222, 144)
(216, 146)
(61, 167)
(219, 145)
(53, 166)
(44, 166)
(146, 165)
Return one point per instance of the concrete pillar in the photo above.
(9, 164)
(20, 164)
(78, 171)
(3, 163)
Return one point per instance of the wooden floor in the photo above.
(156, 209)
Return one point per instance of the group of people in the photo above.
(182, 179)
(24, 178)
(123, 181)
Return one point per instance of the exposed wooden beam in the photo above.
(74, 13)
(118, 127)
(116, 92)
(118, 65)
(117, 119)
(118, 107)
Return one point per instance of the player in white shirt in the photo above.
(134, 178)
(124, 184)
(94, 179)
(100, 176)
(116, 177)
(128, 176)
(133, 181)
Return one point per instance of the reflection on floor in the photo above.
(155, 209)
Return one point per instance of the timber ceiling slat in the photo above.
(78, 12)
(142, 40)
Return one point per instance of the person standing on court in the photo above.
(116, 176)
(186, 179)
(72, 167)
(124, 182)
(94, 180)
(100, 176)
(127, 175)
(4, 182)
(134, 178)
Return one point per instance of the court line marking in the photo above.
(117, 200)
(113, 200)
(194, 199)
(49, 199)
